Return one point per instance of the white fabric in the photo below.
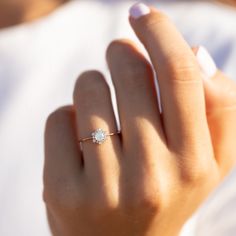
(39, 63)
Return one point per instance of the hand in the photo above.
(151, 179)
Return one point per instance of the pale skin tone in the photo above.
(152, 178)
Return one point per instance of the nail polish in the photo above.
(138, 10)
(206, 62)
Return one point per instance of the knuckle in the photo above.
(99, 205)
(58, 114)
(132, 63)
(57, 117)
(149, 202)
(197, 175)
(90, 83)
(103, 207)
(135, 68)
(143, 202)
(107, 198)
(182, 68)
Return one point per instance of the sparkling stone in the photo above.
(99, 136)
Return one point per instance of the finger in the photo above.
(143, 138)
(93, 106)
(221, 112)
(136, 96)
(220, 94)
(179, 77)
(63, 160)
(219, 89)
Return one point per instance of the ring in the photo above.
(99, 136)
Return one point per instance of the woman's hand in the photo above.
(150, 179)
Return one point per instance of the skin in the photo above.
(13, 12)
(228, 2)
(132, 185)
(152, 178)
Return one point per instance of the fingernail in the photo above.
(206, 62)
(138, 10)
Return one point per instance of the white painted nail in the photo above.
(206, 62)
(139, 9)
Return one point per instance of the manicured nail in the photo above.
(138, 10)
(206, 62)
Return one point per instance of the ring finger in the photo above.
(93, 106)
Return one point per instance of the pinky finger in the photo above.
(220, 95)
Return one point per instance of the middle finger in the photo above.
(137, 99)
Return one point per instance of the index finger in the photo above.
(179, 77)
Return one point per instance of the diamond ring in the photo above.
(99, 136)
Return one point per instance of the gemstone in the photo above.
(99, 136)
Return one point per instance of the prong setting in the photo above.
(99, 136)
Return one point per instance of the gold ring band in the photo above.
(91, 138)
(99, 136)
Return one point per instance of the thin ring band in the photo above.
(90, 138)
(99, 136)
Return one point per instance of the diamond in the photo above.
(99, 136)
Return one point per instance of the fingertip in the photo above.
(139, 10)
(206, 62)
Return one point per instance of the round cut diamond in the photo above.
(99, 136)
